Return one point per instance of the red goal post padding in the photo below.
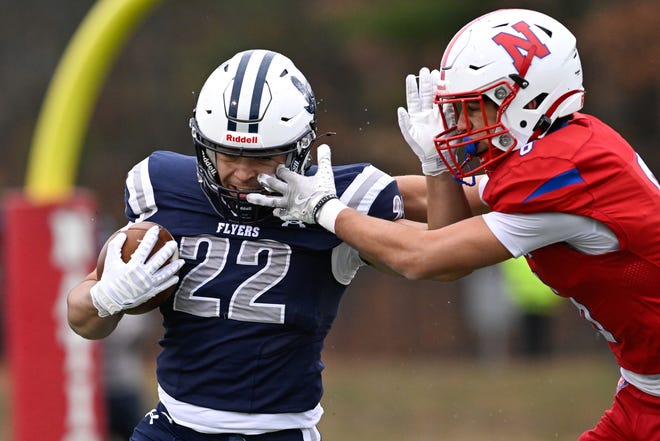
(55, 375)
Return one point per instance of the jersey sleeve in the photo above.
(139, 198)
(524, 233)
(370, 191)
(149, 185)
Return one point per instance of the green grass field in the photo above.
(462, 401)
(419, 400)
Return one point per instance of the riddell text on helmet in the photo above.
(242, 139)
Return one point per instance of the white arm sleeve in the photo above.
(523, 233)
(345, 263)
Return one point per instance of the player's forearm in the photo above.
(447, 202)
(397, 246)
(445, 254)
(83, 316)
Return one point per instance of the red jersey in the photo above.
(587, 169)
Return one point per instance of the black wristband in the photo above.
(321, 203)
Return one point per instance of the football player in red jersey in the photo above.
(543, 181)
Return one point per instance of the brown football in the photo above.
(134, 234)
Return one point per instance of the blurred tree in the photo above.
(621, 47)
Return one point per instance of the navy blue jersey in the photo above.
(245, 328)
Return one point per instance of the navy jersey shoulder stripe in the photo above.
(140, 198)
(365, 188)
(150, 186)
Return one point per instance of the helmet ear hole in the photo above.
(536, 102)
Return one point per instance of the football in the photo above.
(134, 234)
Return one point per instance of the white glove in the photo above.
(126, 285)
(311, 199)
(422, 122)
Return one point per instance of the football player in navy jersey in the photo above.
(255, 296)
(545, 181)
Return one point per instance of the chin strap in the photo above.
(545, 121)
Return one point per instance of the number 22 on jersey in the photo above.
(243, 305)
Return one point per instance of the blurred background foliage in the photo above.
(356, 54)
